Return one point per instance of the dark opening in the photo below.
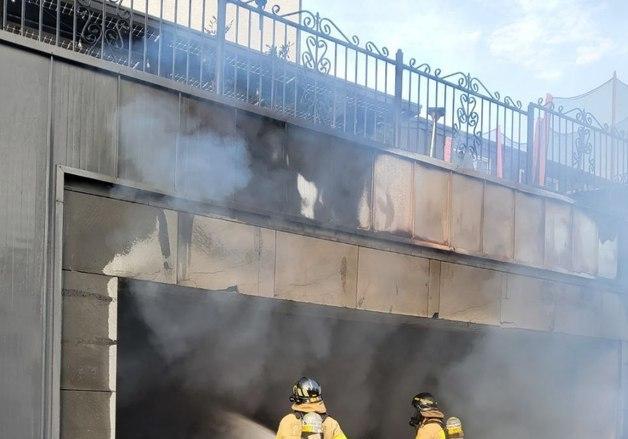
(198, 364)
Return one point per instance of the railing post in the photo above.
(221, 26)
(398, 93)
(530, 179)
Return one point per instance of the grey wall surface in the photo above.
(23, 191)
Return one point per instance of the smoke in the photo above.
(224, 351)
(195, 156)
(187, 357)
(216, 351)
(525, 385)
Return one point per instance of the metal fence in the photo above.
(572, 150)
(305, 67)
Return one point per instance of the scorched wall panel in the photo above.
(132, 240)
(216, 254)
(332, 179)
(392, 195)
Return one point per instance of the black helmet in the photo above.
(424, 402)
(306, 390)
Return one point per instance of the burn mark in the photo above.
(71, 292)
(164, 241)
(343, 272)
(98, 341)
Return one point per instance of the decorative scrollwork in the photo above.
(315, 55)
(372, 47)
(586, 118)
(467, 121)
(471, 84)
(425, 68)
(317, 24)
(510, 101)
(259, 3)
(466, 113)
(326, 27)
(97, 29)
(580, 115)
(466, 151)
(583, 148)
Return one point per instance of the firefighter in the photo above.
(428, 420)
(309, 418)
(454, 428)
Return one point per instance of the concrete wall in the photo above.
(151, 243)
(101, 121)
(107, 237)
(88, 371)
(269, 166)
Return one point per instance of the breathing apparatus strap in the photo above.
(300, 415)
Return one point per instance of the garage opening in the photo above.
(206, 364)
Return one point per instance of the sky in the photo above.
(522, 48)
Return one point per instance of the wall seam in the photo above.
(116, 160)
(48, 391)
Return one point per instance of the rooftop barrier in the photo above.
(303, 66)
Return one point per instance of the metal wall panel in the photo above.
(24, 79)
(466, 213)
(528, 303)
(499, 222)
(149, 124)
(614, 316)
(315, 270)
(578, 310)
(529, 229)
(268, 176)
(608, 255)
(392, 195)
(558, 232)
(84, 118)
(470, 294)
(217, 254)
(392, 282)
(431, 203)
(330, 179)
(117, 238)
(209, 154)
(585, 243)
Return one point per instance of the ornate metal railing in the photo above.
(302, 65)
(571, 150)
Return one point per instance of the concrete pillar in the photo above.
(88, 371)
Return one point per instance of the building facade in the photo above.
(134, 198)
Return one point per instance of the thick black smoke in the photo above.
(186, 357)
